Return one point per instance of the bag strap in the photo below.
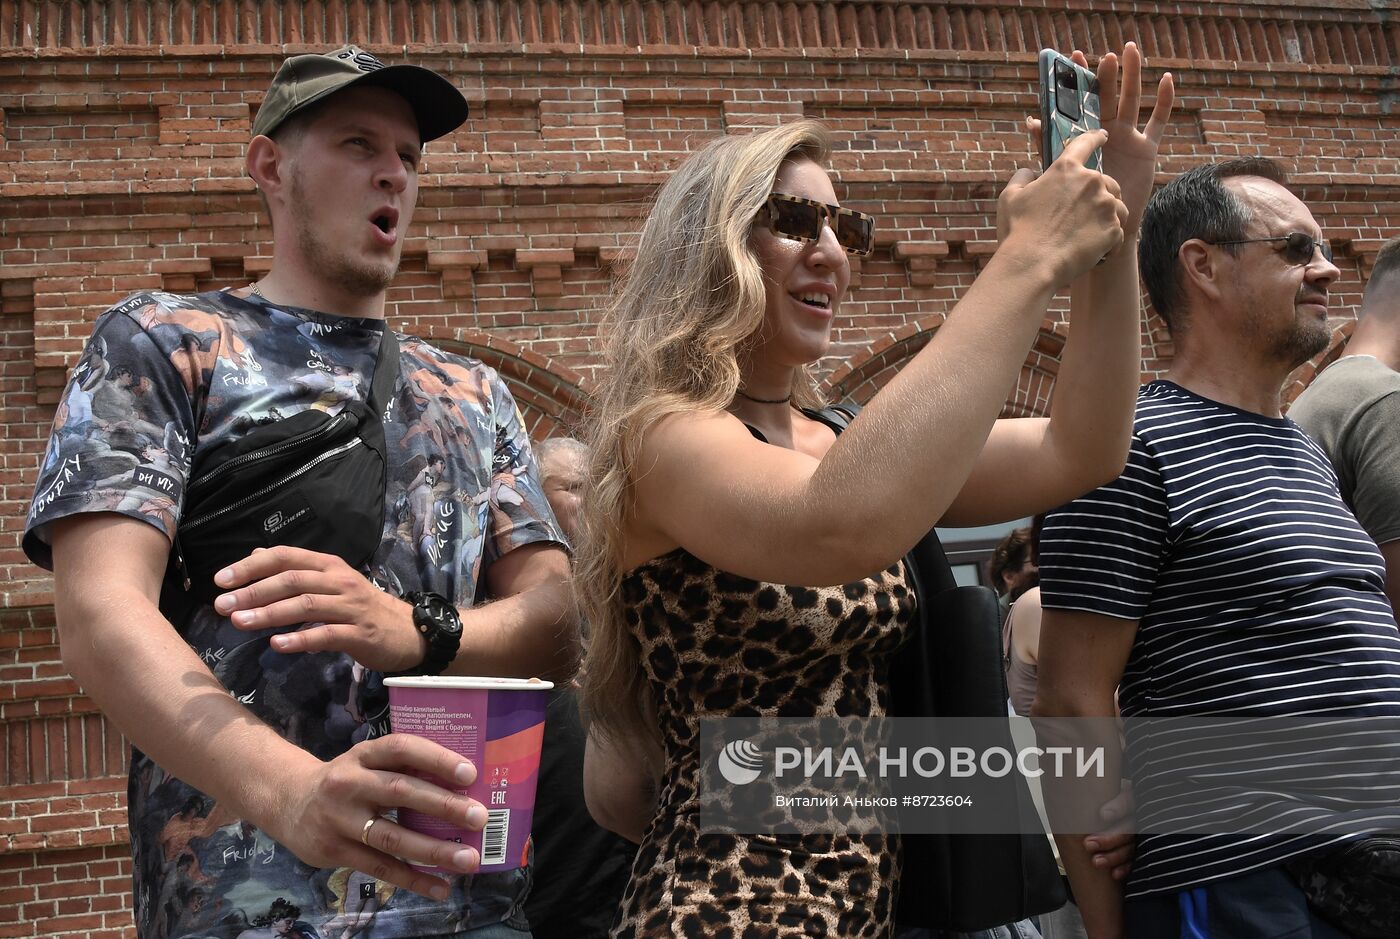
(381, 391)
(386, 373)
(836, 416)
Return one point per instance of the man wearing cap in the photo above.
(263, 768)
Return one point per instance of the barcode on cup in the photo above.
(493, 836)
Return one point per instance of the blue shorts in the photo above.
(1266, 904)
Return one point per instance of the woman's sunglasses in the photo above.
(1298, 247)
(801, 220)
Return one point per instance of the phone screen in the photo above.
(1069, 105)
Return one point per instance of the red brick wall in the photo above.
(122, 127)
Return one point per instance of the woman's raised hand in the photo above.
(1068, 217)
(1130, 155)
(1129, 162)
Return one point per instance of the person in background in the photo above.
(1020, 637)
(1353, 410)
(1021, 652)
(580, 868)
(563, 469)
(1012, 568)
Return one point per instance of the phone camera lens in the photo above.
(1067, 92)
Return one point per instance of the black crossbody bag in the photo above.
(314, 480)
(1355, 887)
(950, 666)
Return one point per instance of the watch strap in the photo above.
(437, 621)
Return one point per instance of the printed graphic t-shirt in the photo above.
(164, 375)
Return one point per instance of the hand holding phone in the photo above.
(1069, 105)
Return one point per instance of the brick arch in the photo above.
(859, 379)
(551, 396)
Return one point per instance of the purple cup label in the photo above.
(500, 731)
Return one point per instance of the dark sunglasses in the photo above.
(1298, 247)
(801, 220)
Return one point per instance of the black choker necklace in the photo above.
(741, 393)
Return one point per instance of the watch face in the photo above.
(443, 613)
(437, 620)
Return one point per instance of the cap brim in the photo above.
(436, 102)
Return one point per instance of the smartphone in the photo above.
(1069, 105)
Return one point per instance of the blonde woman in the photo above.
(721, 513)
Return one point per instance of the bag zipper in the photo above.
(178, 549)
(333, 424)
(321, 458)
(180, 561)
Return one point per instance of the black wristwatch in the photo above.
(437, 621)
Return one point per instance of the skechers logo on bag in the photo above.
(291, 511)
(277, 521)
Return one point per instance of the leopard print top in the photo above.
(714, 644)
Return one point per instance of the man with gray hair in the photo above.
(1353, 410)
(563, 467)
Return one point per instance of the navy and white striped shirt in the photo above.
(1255, 590)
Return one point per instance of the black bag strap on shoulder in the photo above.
(386, 372)
(381, 391)
(836, 416)
(950, 666)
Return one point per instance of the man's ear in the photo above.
(1201, 268)
(266, 163)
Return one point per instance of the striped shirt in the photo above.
(1256, 594)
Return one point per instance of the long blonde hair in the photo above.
(673, 337)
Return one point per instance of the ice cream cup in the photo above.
(498, 724)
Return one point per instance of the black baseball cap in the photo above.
(304, 80)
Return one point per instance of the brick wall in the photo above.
(122, 127)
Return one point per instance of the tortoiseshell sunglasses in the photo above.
(801, 220)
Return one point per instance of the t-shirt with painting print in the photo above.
(164, 375)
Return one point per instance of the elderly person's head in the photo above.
(563, 467)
